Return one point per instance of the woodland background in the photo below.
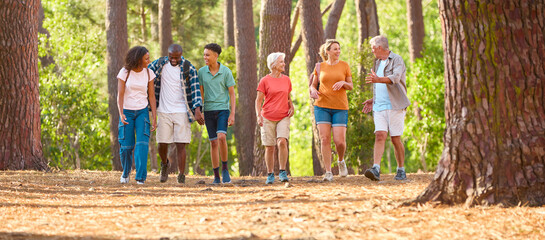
(74, 94)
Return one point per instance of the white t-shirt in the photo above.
(171, 99)
(136, 88)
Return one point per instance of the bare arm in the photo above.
(314, 93)
(259, 106)
(346, 84)
(153, 105)
(120, 99)
(292, 109)
(233, 100)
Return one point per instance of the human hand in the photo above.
(291, 111)
(154, 124)
(123, 118)
(260, 120)
(199, 116)
(338, 85)
(372, 78)
(314, 93)
(231, 119)
(367, 106)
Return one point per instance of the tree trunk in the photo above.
(333, 19)
(297, 44)
(165, 26)
(47, 59)
(143, 22)
(313, 37)
(154, 26)
(246, 57)
(117, 47)
(228, 24)
(274, 36)
(415, 22)
(494, 77)
(368, 27)
(20, 130)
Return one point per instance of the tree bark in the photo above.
(143, 26)
(274, 36)
(333, 19)
(228, 24)
(47, 59)
(313, 37)
(153, 16)
(297, 44)
(20, 129)
(246, 57)
(494, 77)
(117, 47)
(415, 22)
(165, 26)
(366, 11)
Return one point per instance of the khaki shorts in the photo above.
(271, 130)
(173, 128)
(390, 120)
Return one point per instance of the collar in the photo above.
(219, 68)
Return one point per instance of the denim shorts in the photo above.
(216, 122)
(334, 117)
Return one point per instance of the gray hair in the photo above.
(273, 57)
(379, 40)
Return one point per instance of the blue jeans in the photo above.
(216, 122)
(139, 125)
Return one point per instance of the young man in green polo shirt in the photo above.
(218, 90)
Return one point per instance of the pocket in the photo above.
(121, 131)
(147, 129)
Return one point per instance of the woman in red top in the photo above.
(274, 115)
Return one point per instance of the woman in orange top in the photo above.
(331, 106)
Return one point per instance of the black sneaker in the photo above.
(400, 175)
(373, 174)
(164, 172)
(181, 178)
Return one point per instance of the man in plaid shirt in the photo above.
(179, 103)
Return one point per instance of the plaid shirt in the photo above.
(193, 93)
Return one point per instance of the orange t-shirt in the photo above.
(329, 75)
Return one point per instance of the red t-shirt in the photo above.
(276, 91)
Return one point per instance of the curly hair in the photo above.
(134, 57)
(326, 47)
(214, 47)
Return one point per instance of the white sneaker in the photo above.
(342, 169)
(328, 177)
(140, 182)
(124, 180)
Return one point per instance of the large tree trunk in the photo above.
(297, 44)
(246, 57)
(274, 36)
(415, 22)
(143, 27)
(165, 26)
(333, 19)
(494, 77)
(20, 130)
(368, 27)
(228, 24)
(313, 37)
(117, 47)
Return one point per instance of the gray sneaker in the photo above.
(164, 172)
(400, 175)
(373, 174)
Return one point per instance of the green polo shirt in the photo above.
(216, 87)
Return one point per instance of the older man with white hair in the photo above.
(389, 105)
(274, 115)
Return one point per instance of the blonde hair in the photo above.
(326, 47)
(379, 40)
(273, 57)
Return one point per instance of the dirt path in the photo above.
(88, 204)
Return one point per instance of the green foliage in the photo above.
(74, 115)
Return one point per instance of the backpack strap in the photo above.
(185, 83)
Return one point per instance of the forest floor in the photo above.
(93, 204)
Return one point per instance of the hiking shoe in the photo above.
(225, 176)
(328, 177)
(283, 176)
(270, 178)
(400, 175)
(181, 178)
(216, 180)
(343, 171)
(373, 174)
(164, 172)
(124, 180)
(139, 182)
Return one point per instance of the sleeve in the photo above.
(348, 72)
(229, 79)
(151, 75)
(398, 71)
(199, 76)
(154, 66)
(122, 74)
(261, 86)
(196, 96)
(289, 81)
